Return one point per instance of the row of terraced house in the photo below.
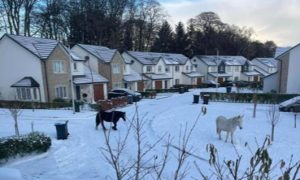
(37, 69)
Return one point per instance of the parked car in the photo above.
(292, 105)
(116, 92)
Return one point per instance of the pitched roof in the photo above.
(157, 76)
(228, 60)
(261, 71)
(281, 50)
(89, 77)
(269, 62)
(193, 74)
(215, 74)
(102, 53)
(151, 58)
(42, 48)
(287, 51)
(26, 82)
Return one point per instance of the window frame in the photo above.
(58, 67)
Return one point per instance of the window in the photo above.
(24, 93)
(61, 91)
(75, 66)
(187, 68)
(58, 67)
(228, 68)
(116, 68)
(195, 66)
(34, 93)
(149, 69)
(221, 68)
(176, 68)
(159, 68)
(167, 69)
(176, 81)
(237, 68)
(117, 85)
(236, 78)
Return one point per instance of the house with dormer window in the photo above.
(162, 70)
(43, 70)
(265, 66)
(104, 61)
(224, 68)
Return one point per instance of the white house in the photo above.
(223, 68)
(132, 79)
(288, 71)
(162, 70)
(265, 66)
(36, 69)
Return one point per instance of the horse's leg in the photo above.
(231, 137)
(115, 126)
(102, 124)
(227, 136)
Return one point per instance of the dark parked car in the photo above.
(117, 92)
(292, 105)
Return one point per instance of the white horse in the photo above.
(228, 125)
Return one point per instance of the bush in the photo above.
(26, 144)
(265, 98)
(36, 105)
(58, 100)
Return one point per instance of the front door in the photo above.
(256, 78)
(199, 81)
(158, 84)
(140, 86)
(98, 92)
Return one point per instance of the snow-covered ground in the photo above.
(80, 157)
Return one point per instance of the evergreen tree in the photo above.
(164, 40)
(181, 41)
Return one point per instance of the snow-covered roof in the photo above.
(228, 60)
(269, 62)
(102, 53)
(132, 77)
(157, 76)
(281, 50)
(214, 74)
(89, 77)
(40, 47)
(193, 74)
(290, 101)
(261, 71)
(151, 58)
(251, 73)
(26, 82)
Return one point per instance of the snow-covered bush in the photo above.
(22, 145)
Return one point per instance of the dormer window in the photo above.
(187, 68)
(246, 67)
(221, 68)
(159, 68)
(149, 69)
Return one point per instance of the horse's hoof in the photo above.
(114, 128)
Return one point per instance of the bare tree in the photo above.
(13, 9)
(15, 109)
(273, 115)
(28, 8)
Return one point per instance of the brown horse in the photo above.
(107, 116)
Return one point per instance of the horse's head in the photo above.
(239, 121)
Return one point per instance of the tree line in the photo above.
(139, 25)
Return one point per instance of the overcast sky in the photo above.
(277, 20)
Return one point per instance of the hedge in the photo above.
(163, 90)
(36, 105)
(264, 98)
(31, 143)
